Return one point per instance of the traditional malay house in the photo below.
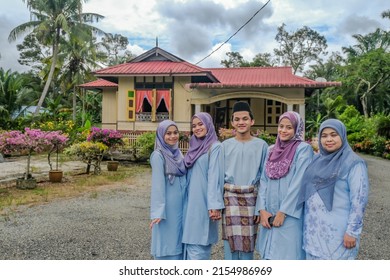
(158, 85)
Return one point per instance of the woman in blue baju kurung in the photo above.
(204, 161)
(335, 195)
(280, 184)
(168, 194)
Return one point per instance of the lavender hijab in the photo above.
(174, 164)
(200, 146)
(282, 153)
(327, 168)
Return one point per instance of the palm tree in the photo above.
(80, 58)
(53, 21)
(379, 39)
(14, 92)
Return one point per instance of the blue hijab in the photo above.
(174, 164)
(327, 168)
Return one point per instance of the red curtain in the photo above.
(140, 96)
(166, 96)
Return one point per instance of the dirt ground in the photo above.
(15, 167)
(122, 213)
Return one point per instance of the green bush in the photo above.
(144, 145)
(378, 145)
(352, 119)
(383, 126)
(386, 153)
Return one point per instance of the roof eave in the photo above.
(292, 85)
(178, 74)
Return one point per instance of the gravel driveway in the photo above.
(112, 224)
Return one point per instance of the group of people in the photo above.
(282, 200)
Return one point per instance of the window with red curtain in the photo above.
(140, 96)
(164, 94)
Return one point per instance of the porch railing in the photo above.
(147, 117)
(132, 136)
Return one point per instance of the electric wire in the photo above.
(258, 11)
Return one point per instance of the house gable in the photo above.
(156, 54)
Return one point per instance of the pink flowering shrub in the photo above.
(109, 137)
(56, 141)
(32, 140)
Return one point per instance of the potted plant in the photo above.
(29, 142)
(56, 141)
(109, 137)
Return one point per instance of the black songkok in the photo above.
(241, 106)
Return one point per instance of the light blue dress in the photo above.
(167, 202)
(285, 242)
(205, 192)
(324, 230)
(244, 162)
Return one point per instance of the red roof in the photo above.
(152, 68)
(259, 77)
(159, 62)
(99, 83)
(222, 77)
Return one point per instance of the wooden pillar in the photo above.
(197, 108)
(170, 102)
(154, 109)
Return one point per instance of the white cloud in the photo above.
(191, 29)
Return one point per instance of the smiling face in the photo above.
(286, 130)
(242, 122)
(171, 135)
(330, 140)
(198, 128)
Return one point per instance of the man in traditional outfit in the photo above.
(244, 162)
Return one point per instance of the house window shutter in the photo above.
(131, 105)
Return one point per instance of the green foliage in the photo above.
(89, 152)
(333, 106)
(383, 126)
(375, 146)
(262, 134)
(368, 77)
(116, 48)
(144, 145)
(300, 47)
(235, 59)
(313, 125)
(14, 93)
(352, 119)
(386, 153)
(54, 24)
(363, 133)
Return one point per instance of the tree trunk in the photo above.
(48, 81)
(363, 101)
(88, 166)
(74, 104)
(27, 175)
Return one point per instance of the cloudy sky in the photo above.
(192, 29)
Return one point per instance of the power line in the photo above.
(234, 33)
